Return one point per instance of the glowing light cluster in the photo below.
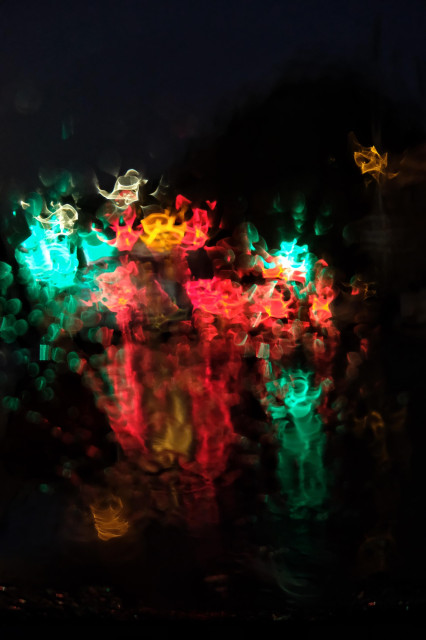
(175, 354)
(292, 402)
(50, 255)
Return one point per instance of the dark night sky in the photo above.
(131, 81)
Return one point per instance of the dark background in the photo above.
(102, 86)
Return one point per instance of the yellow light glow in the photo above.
(173, 431)
(160, 232)
(108, 519)
(369, 160)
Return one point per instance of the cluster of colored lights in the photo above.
(187, 348)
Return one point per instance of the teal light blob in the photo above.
(10, 403)
(13, 305)
(73, 360)
(34, 416)
(5, 270)
(50, 375)
(21, 327)
(58, 354)
(40, 383)
(35, 317)
(33, 369)
(47, 394)
(49, 255)
(301, 467)
(95, 249)
(53, 331)
(7, 329)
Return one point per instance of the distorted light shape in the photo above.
(125, 235)
(21, 327)
(323, 223)
(124, 406)
(11, 403)
(34, 417)
(216, 296)
(369, 160)
(116, 289)
(50, 259)
(58, 354)
(299, 213)
(33, 369)
(160, 233)
(196, 232)
(300, 397)
(61, 219)
(7, 328)
(291, 262)
(108, 519)
(45, 352)
(211, 406)
(173, 431)
(5, 270)
(362, 288)
(13, 306)
(292, 401)
(296, 255)
(74, 362)
(126, 189)
(95, 246)
(246, 234)
(299, 205)
(35, 204)
(6, 277)
(181, 203)
(277, 206)
(323, 296)
(270, 301)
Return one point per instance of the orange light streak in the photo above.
(108, 519)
